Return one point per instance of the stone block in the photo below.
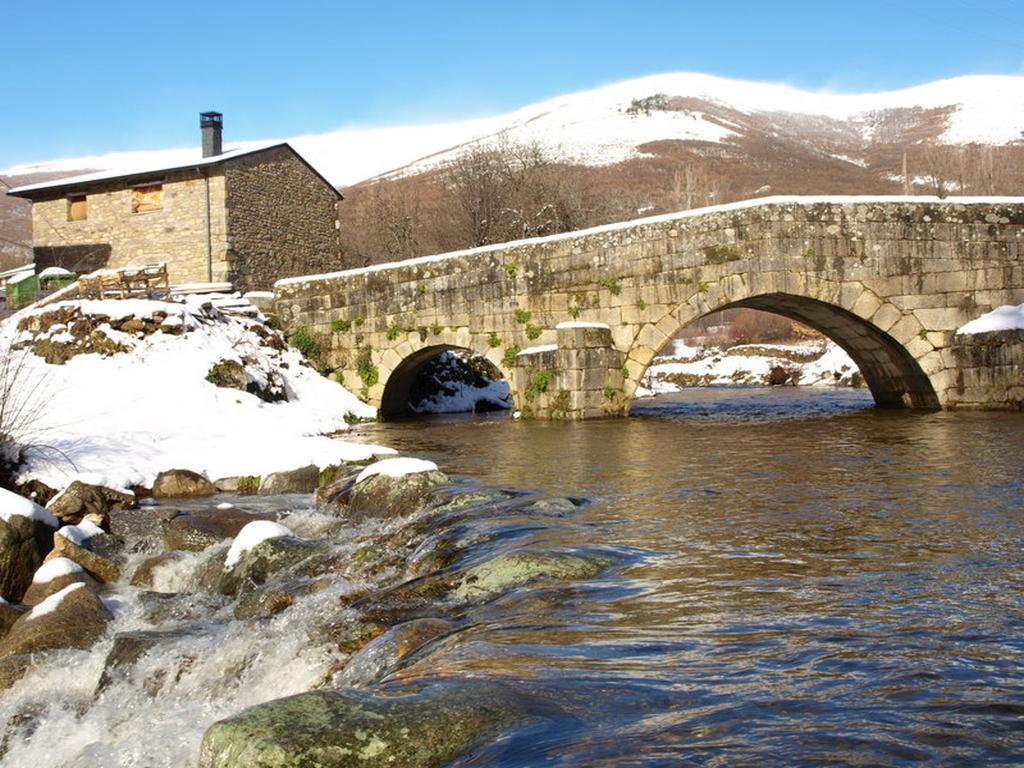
(885, 317)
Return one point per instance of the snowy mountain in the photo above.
(750, 138)
(609, 124)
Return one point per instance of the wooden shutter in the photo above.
(76, 208)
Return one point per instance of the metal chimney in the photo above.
(212, 124)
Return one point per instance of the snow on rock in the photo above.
(120, 418)
(52, 569)
(537, 350)
(81, 533)
(397, 467)
(49, 605)
(12, 504)
(1005, 318)
(252, 534)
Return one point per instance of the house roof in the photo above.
(85, 181)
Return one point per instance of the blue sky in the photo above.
(92, 77)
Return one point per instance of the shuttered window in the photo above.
(76, 208)
(147, 198)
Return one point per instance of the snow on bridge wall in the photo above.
(889, 279)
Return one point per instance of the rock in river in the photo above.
(391, 488)
(72, 618)
(339, 729)
(26, 535)
(181, 483)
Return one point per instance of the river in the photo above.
(792, 578)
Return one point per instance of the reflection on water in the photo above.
(802, 579)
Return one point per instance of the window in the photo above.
(76, 208)
(147, 198)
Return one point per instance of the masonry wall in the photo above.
(889, 280)
(282, 220)
(113, 236)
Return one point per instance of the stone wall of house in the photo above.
(282, 220)
(111, 235)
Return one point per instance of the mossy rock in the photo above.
(258, 565)
(339, 729)
(380, 496)
(229, 374)
(511, 570)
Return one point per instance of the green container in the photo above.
(50, 283)
(23, 292)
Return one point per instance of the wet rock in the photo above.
(301, 480)
(181, 483)
(141, 529)
(338, 729)
(163, 607)
(8, 615)
(279, 595)
(511, 570)
(554, 506)
(81, 499)
(413, 599)
(382, 496)
(72, 618)
(53, 576)
(128, 648)
(13, 668)
(145, 573)
(257, 565)
(199, 530)
(244, 485)
(105, 569)
(26, 536)
(383, 654)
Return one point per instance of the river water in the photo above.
(792, 578)
(803, 579)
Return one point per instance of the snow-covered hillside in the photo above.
(605, 125)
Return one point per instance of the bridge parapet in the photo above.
(889, 279)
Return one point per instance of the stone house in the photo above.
(247, 216)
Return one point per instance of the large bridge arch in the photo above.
(895, 378)
(574, 320)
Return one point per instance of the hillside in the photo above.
(680, 140)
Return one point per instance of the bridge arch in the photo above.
(400, 380)
(896, 379)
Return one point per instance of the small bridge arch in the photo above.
(574, 320)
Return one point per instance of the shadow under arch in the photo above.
(894, 377)
(394, 402)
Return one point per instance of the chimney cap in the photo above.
(210, 118)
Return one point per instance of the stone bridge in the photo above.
(574, 320)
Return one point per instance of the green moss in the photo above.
(509, 358)
(368, 372)
(533, 332)
(393, 331)
(422, 331)
(538, 384)
(609, 393)
(559, 408)
(512, 270)
(436, 329)
(720, 254)
(341, 326)
(493, 340)
(574, 311)
(612, 284)
(523, 316)
(249, 485)
(703, 288)
(624, 371)
(358, 322)
(303, 341)
(641, 305)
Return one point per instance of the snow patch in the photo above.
(81, 533)
(579, 324)
(537, 350)
(12, 504)
(251, 535)
(49, 605)
(398, 467)
(52, 569)
(1005, 318)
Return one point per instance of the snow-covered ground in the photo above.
(596, 126)
(457, 389)
(821, 364)
(119, 419)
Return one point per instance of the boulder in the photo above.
(384, 495)
(511, 570)
(257, 565)
(199, 530)
(301, 480)
(26, 536)
(145, 573)
(270, 599)
(141, 529)
(229, 374)
(8, 615)
(13, 668)
(243, 485)
(339, 729)
(80, 499)
(128, 648)
(103, 568)
(181, 483)
(72, 618)
(383, 655)
(52, 576)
